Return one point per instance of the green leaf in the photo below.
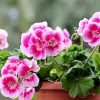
(44, 71)
(4, 53)
(1, 65)
(96, 61)
(48, 63)
(74, 67)
(73, 92)
(77, 87)
(66, 83)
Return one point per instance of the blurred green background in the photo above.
(16, 16)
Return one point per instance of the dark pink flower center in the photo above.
(53, 42)
(11, 84)
(39, 47)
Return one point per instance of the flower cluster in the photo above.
(42, 41)
(90, 29)
(19, 78)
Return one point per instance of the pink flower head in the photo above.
(42, 41)
(82, 25)
(31, 80)
(92, 34)
(41, 25)
(9, 68)
(54, 40)
(26, 94)
(38, 30)
(37, 48)
(27, 67)
(18, 78)
(24, 68)
(3, 39)
(25, 42)
(67, 41)
(9, 86)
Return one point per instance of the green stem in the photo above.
(98, 50)
(90, 55)
(55, 61)
(81, 41)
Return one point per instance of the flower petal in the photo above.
(31, 81)
(95, 42)
(88, 36)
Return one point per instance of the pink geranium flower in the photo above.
(67, 41)
(10, 66)
(54, 40)
(24, 68)
(82, 25)
(92, 34)
(25, 42)
(18, 78)
(3, 39)
(27, 67)
(37, 48)
(9, 86)
(42, 41)
(26, 93)
(31, 80)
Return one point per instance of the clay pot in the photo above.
(53, 91)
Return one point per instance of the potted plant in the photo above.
(49, 63)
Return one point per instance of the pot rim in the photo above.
(51, 86)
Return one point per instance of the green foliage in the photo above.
(68, 67)
(78, 86)
(75, 77)
(45, 70)
(96, 61)
(4, 54)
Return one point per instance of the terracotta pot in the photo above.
(53, 91)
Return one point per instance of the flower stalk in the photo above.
(81, 41)
(90, 55)
(98, 50)
(55, 61)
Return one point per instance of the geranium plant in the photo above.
(48, 54)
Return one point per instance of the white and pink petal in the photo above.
(27, 94)
(31, 80)
(35, 66)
